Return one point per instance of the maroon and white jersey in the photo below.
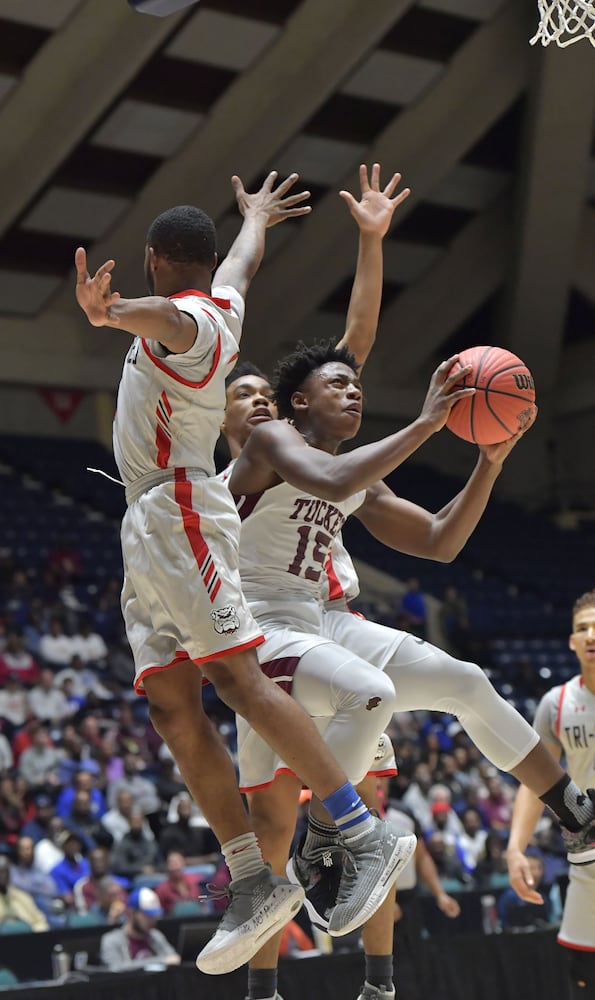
(285, 541)
(170, 406)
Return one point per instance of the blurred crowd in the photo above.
(92, 804)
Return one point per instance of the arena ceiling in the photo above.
(107, 117)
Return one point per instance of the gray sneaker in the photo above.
(259, 907)
(580, 846)
(373, 865)
(369, 992)
(319, 874)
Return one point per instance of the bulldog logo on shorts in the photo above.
(225, 620)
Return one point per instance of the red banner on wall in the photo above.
(62, 402)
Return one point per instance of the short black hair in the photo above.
(293, 370)
(183, 235)
(241, 370)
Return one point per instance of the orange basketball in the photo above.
(504, 392)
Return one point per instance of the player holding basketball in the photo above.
(565, 720)
(279, 474)
(182, 602)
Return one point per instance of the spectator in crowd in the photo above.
(178, 886)
(471, 842)
(491, 868)
(413, 611)
(72, 867)
(415, 798)
(17, 661)
(497, 805)
(39, 763)
(117, 820)
(16, 904)
(142, 790)
(89, 645)
(138, 940)
(75, 702)
(43, 809)
(76, 756)
(26, 875)
(56, 648)
(443, 821)
(454, 621)
(85, 682)
(196, 843)
(6, 755)
(47, 701)
(48, 850)
(12, 810)
(444, 855)
(14, 706)
(82, 781)
(82, 820)
(110, 906)
(136, 853)
(87, 890)
(34, 627)
(135, 735)
(65, 561)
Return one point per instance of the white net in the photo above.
(565, 22)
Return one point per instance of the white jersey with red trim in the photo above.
(285, 541)
(566, 717)
(170, 406)
(340, 578)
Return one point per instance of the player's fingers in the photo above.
(291, 213)
(348, 197)
(460, 393)
(401, 196)
(392, 184)
(364, 183)
(237, 185)
(286, 184)
(294, 199)
(452, 377)
(104, 269)
(375, 179)
(80, 262)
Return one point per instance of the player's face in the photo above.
(582, 640)
(334, 399)
(249, 402)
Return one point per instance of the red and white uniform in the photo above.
(182, 596)
(566, 716)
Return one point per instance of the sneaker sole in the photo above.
(403, 851)
(313, 914)
(241, 949)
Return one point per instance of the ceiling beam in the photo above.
(423, 142)
(65, 89)
(551, 192)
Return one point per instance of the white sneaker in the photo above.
(260, 906)
(370, 992)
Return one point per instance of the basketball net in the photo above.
(565, 22)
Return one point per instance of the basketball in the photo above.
(504, 392)
(160, 8)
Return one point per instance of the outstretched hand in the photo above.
(521, 879)
(94, 294)
(442, 395)
(276, 204)
(374, 212)
(496, 453)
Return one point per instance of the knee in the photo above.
(173, 718)
(467, 681)
(237, 681)
(379, 694)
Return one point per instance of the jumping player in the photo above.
(565, 720)
(182, 602)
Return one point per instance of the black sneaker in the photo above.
(319, 874)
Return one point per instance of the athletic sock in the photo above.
(319, 835)
(379, 971)
(262, 984)
(243, 856)
(573, 808)
(349, 813)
